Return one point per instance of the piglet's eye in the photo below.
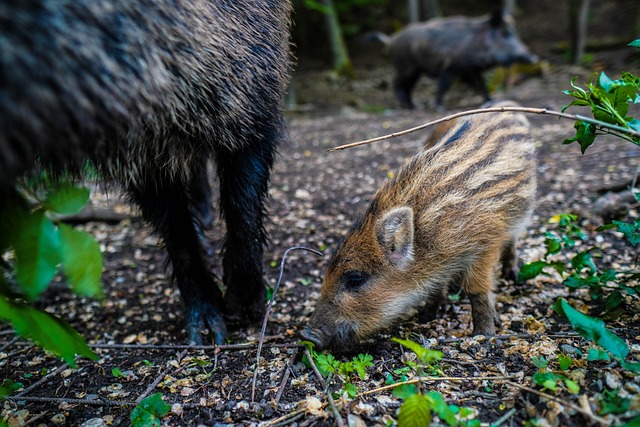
(353, 280)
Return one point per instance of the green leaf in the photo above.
(635, 43)
(326, 363)
(630, 366)
(593, 329)
(583, 260)
(66, 199)
(424, 355)
(81, 260)
(631, 231)
(50, 332)
(445, 412)
(350, 389)
(117, 372)
(576, 282)
(8, 387)
(531, 270)
(635, 422)
(572, 386)
(360, 363)
(415, 412)
(37, 253)
(548, 380)
(596, 354)
(540, 362)
(149, 411)
(12, 215)
(612, 403)
(404, 391)
(585, 135)
(564, 361)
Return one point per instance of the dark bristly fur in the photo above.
(453, 47)
(149, 90)
(450, 215)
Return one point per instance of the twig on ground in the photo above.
(285, 377)
(35, 418)
(627, 131)
(266, 314)
(427, 379)
(325, 387)
(42, 380)
(307, 353)
(576, 408)
(285, 419)
(503, 418)
(336, 413)
(159, 378)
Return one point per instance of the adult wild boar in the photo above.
(451, 214)
(149, 90)
(453, 47)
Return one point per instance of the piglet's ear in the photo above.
(395, 235)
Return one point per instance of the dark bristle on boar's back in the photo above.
(149, 91)
(451, 214)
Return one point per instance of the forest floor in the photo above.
(137, 330)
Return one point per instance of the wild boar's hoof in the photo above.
(204, 315)
(245, 308)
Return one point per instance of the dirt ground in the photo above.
(315, 197)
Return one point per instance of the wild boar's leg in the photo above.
(509, 260)
(244, 176)
(445, 80)
(478, 282)
(165, 204)
(476, 81)
(200, 192)
(403, 84)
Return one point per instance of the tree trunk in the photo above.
(414, 11)
(579, 12)
(341, 62)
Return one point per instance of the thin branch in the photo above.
(325, 387)
(562, 402)
(160, 377)
(503, 418)
(292, 416)
(428, 379)
(599, 123)
(268, 311)
(336, 413)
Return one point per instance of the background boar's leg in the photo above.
(403, 84)
(244, 177)
(445, 80)
(476, 81)
(165, 204)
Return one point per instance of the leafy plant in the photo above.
(327, 364)
(418, 407)
(9, 387)
(595, 330)
(609, 103)
(150, 411)
(549, 380)
(41, 245)
(581, 270)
